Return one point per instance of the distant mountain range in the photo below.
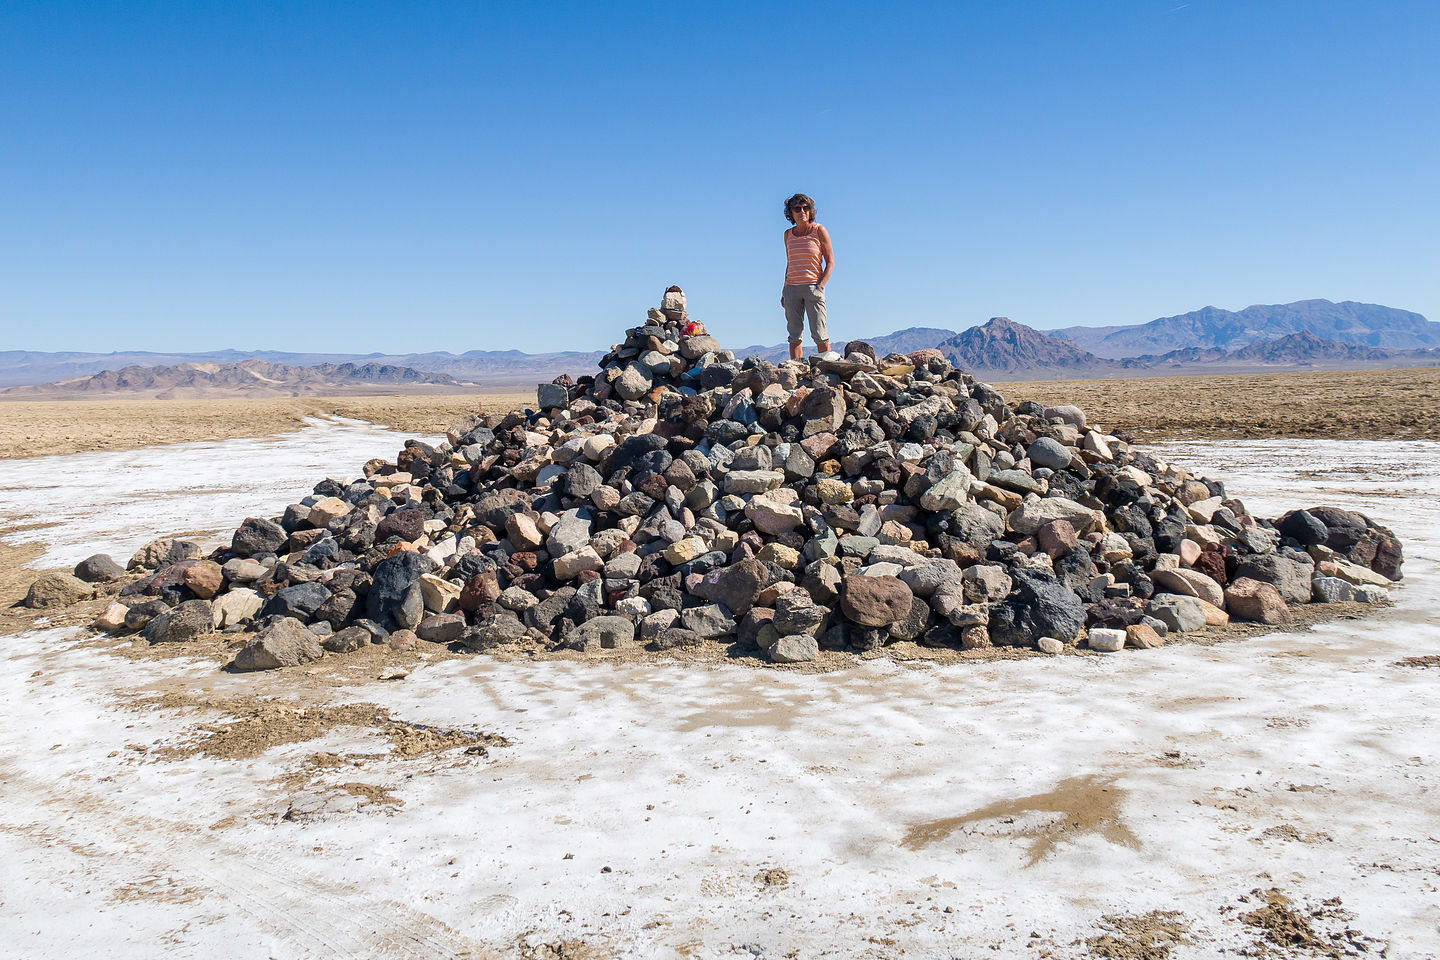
(1306, 335)
(487, 367)
(249, 378)
(1367, 324)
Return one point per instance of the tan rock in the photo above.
(112, 619)
(787, 558)
(976, 636)
(576, 562)
(1189, 583)
(238, 605)
(440, 595)
(1142, 636)
(682, 551)
(522, 532)
(768, 596)
(1214, 616)
(328, 509)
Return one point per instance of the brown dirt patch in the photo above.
(1291, 833)
(1421, 663)
(1149, 936)
(1357, 404)
(36, 428)
(773, 878)
(1281, 924)
(258, 724)
(1078, 805)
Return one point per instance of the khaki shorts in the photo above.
(800, 300)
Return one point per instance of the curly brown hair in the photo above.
(799, 199)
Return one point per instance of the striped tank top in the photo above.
(802, 257)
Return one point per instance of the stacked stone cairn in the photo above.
(683, 497)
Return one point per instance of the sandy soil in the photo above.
(1377, 404)
(1352, 405)
(44, 427)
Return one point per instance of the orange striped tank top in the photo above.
(802, 257)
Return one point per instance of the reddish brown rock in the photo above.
(401, 640)
(875, 601)
(1253, 600)
(481, 588)
(1056, 538)
(1212, 564)
(203, 578)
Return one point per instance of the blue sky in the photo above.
(401, 176)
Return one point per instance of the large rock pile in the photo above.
(682, 496)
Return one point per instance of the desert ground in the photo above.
(37, 428)
(1253, 794)
(1371, 404)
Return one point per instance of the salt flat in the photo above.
(657, 810)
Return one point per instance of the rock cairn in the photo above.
(682, 497)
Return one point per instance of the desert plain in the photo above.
(1253, 794)
(1364, 404)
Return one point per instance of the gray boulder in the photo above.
(1290, 577)
(100, 568)
(258, 535)
(494, 631)
(1179, 614)
(1046, 452)
(285, 643)
(57, 590)
(975, 525)
(797, 648)
(711, 621)
(347, 641)
(189, 620)
(602, 633)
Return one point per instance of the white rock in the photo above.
(633, 607)
(1107, 640)
(239, 605)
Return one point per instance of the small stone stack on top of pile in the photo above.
(681, 496)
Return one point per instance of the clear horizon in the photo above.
(596, 347)
(384, 178)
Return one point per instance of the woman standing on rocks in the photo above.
(808, 262)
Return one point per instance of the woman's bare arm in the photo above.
(827, 257)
